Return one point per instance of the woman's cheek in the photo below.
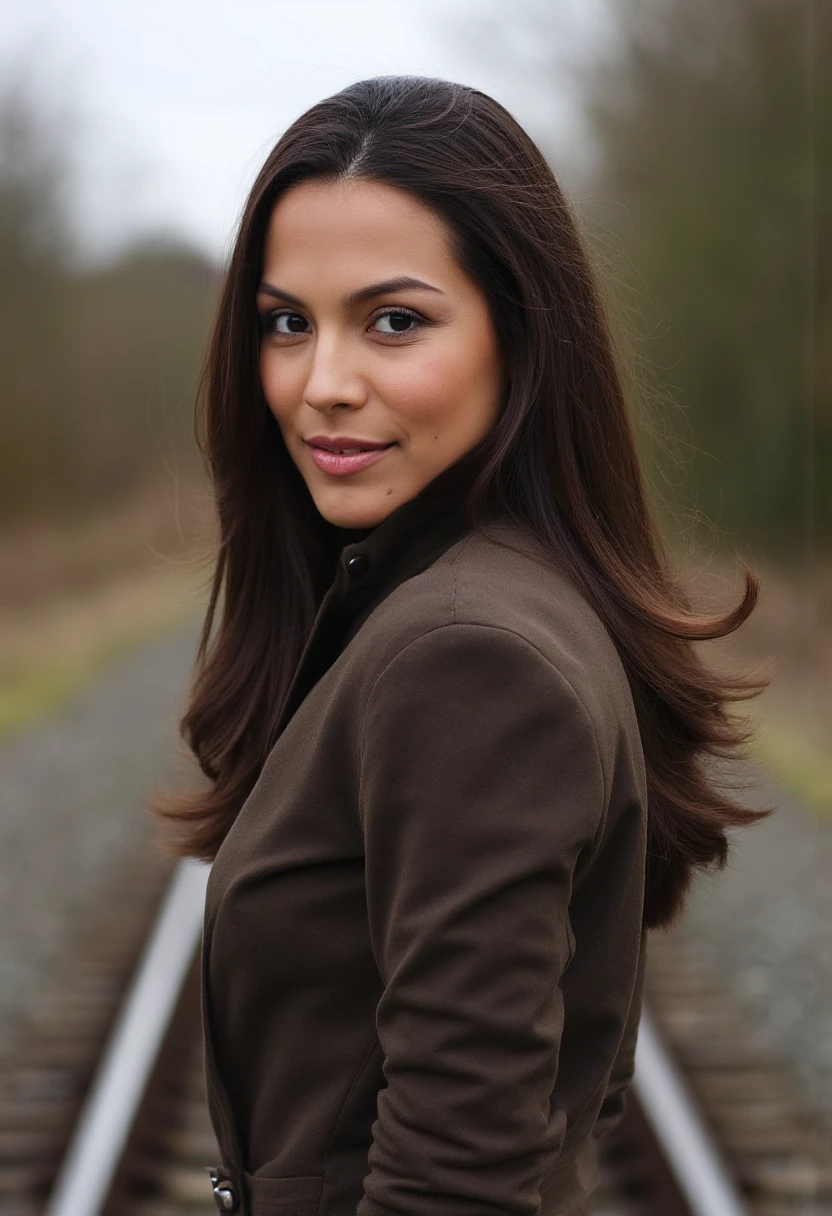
(423, 391)
(277, 390)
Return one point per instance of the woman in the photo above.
(451, 718)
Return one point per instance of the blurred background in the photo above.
(693, 140)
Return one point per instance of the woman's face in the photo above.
(352, 355)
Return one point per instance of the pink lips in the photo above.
(339, 465)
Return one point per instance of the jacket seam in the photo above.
(513, 632)
(465, 542)
(368, 1055)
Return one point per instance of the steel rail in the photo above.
(98, 1143)
(681, 1135)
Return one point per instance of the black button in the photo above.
(358, 565)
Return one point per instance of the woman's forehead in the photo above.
(316, 220)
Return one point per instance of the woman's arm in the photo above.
(623, 1069)
(481, 783)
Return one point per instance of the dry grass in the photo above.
(46, 655)
(76, 594)
(790, 631)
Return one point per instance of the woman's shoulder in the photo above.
(493, 585)
(493, 578)
(501, 579)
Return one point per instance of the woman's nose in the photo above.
(333, 378)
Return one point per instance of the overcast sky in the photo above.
(177, 102)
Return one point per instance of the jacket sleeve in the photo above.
(481, 783)
(620, 1082)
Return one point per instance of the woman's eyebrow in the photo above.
(402, 283)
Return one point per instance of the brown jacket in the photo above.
(422, 950)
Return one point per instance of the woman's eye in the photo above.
(294, 323)
(401, 322)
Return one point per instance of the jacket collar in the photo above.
(374, 561)
(409, 540)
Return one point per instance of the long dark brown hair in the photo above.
(561, 460)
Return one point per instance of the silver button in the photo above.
(225, 1192)
(226, 1198)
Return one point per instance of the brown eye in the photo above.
(294, 322)
(402, 322)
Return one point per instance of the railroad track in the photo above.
(103, 1109)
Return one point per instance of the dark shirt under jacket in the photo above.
(422, 956)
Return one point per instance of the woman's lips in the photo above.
(339, 465)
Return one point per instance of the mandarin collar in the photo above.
(406, 542)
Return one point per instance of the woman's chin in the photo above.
(354, 508)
